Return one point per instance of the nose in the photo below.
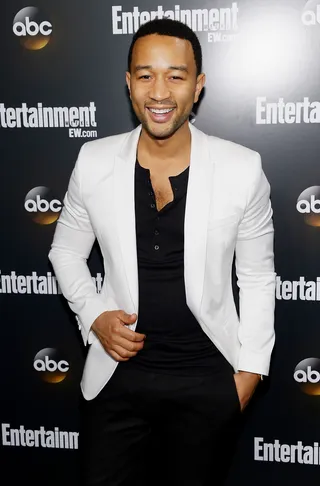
(159, 90)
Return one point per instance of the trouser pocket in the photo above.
(235, 392)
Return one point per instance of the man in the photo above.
(170, 208)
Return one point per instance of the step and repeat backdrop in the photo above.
(63, 84)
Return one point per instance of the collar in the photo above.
(178, 181)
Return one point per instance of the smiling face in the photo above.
(163, 83)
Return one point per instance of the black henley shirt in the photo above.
(175, 341)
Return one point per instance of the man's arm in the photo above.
(256, 276)
(70, 249)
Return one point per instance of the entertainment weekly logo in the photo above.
(286, 112)
(220, 24)
(298, 453)
(301, 289)
(36, 284)
(42, 437)
(78, 119)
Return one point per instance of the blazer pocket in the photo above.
(214, 223)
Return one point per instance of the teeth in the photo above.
(154, 110)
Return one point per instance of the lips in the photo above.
(160, 115)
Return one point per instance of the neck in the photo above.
(175, 146)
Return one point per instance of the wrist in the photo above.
(250, 375)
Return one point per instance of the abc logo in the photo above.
(32, 28)
(311, 13)
(308, 204)
(51, 364)
(43, 208)
(307, 374)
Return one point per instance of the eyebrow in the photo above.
(179, 68)
(182, 67)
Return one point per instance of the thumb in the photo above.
(127, 318)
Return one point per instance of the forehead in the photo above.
(162, 49)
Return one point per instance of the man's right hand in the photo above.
(119, 341)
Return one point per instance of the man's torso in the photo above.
(175, 341)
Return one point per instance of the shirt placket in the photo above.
(155, 229)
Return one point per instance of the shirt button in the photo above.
(156, 232)
(156, 247)
(152, 205)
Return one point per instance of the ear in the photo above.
(128, 81)
(201, 79)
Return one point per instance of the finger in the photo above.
(132, 346)
(131, 335)
(116, 356)
(124, 353)
(127, 318)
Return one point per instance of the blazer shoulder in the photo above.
(96, 158)
(231, 153)
(102, 146)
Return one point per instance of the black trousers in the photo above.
(150, 428)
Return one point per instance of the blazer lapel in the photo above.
(196, 217)
(125, 211)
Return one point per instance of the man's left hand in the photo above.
(246, 384)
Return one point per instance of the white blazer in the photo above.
(228, 213)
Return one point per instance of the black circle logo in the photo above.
(51, 364)
(307, 374)
(42, 206)
(308, 204)
(33, 28)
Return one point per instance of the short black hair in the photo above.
(173, 28)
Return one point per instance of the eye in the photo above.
(176, 77)
(145, 76)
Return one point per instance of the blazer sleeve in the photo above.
(72, 244)
(256, 276)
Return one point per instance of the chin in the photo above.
(160, 132)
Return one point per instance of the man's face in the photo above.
(163, 83)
